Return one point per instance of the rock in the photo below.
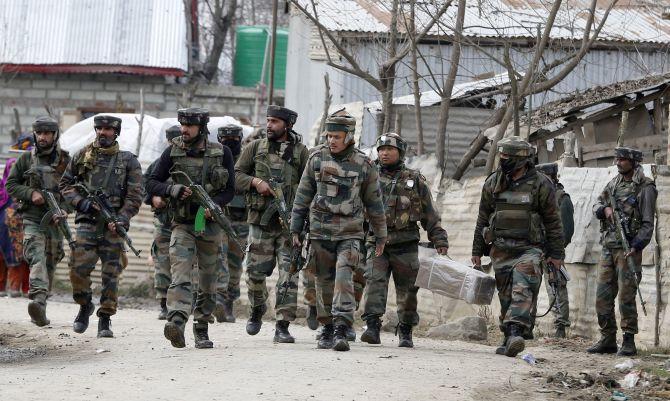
(466, 328)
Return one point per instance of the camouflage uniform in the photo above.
(635, 199)
(40, 170)
(119, 175)
(408, 202)
(268, 242)
(566, 209)
(228, 285)
(520, 219)
(334, 193)
(210, 165)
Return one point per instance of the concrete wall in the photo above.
(70, 95)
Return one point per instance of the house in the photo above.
(77, 58)
(633, 43)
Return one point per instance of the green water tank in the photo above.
(250, 46)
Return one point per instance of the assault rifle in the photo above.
(621, 222)
(105, 211)
(552, 279)
(277, 204)
(297, 261)
(55, 210)
(203, 200)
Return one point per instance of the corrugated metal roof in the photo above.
(460, 91)
(148, 33)
(632, 21)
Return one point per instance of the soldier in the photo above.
(634, 199)
(34, 173)
(338, 186)
(566, 210)
(408, 201)
(160, 247)
(281, 158)
(100, 165)
(228, 288)
(519, 219)
(210, 165)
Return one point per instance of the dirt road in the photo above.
(54, 363)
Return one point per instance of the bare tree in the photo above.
(219, 27)
(532, 82)
(395, 52)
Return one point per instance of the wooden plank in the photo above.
(644, 143)
(610, 111)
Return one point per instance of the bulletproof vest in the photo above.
(205, 169)
(516, 219)
(401, 197)
(47, 176)
(338, 185)
(268, 165)
(625, 194)
(106, 172)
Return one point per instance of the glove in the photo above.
(84, 205)
(176, 190)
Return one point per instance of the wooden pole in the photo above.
(622, 128)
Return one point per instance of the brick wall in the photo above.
(70, 94)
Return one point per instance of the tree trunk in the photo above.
(448, 88)
(220, 26)
(478, 144)
(415, 83)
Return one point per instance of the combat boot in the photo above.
(312, 323)
(628, 345)
(105, 326)
(201, 336)
(326, 340)
(515, 342)
(164, 312)
(81, 321)
(560, 331)
(371, 333)
(256, 320)
(606, 345)
(228, 311)
(405, 337)
(281, 333)
(340, 341)
(174, 331)
(37, 309)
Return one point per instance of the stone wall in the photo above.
(71, 96)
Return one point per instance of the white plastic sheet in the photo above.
(153, 141)
(445, 276)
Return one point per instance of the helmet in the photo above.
(230, 130)
(549, 169)
(193, 116)
(104, 121)
(172, 132)
(395, 140)
(514, 146)
(282, 113)
(45, 124)
(628, 153)
(341, 120)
